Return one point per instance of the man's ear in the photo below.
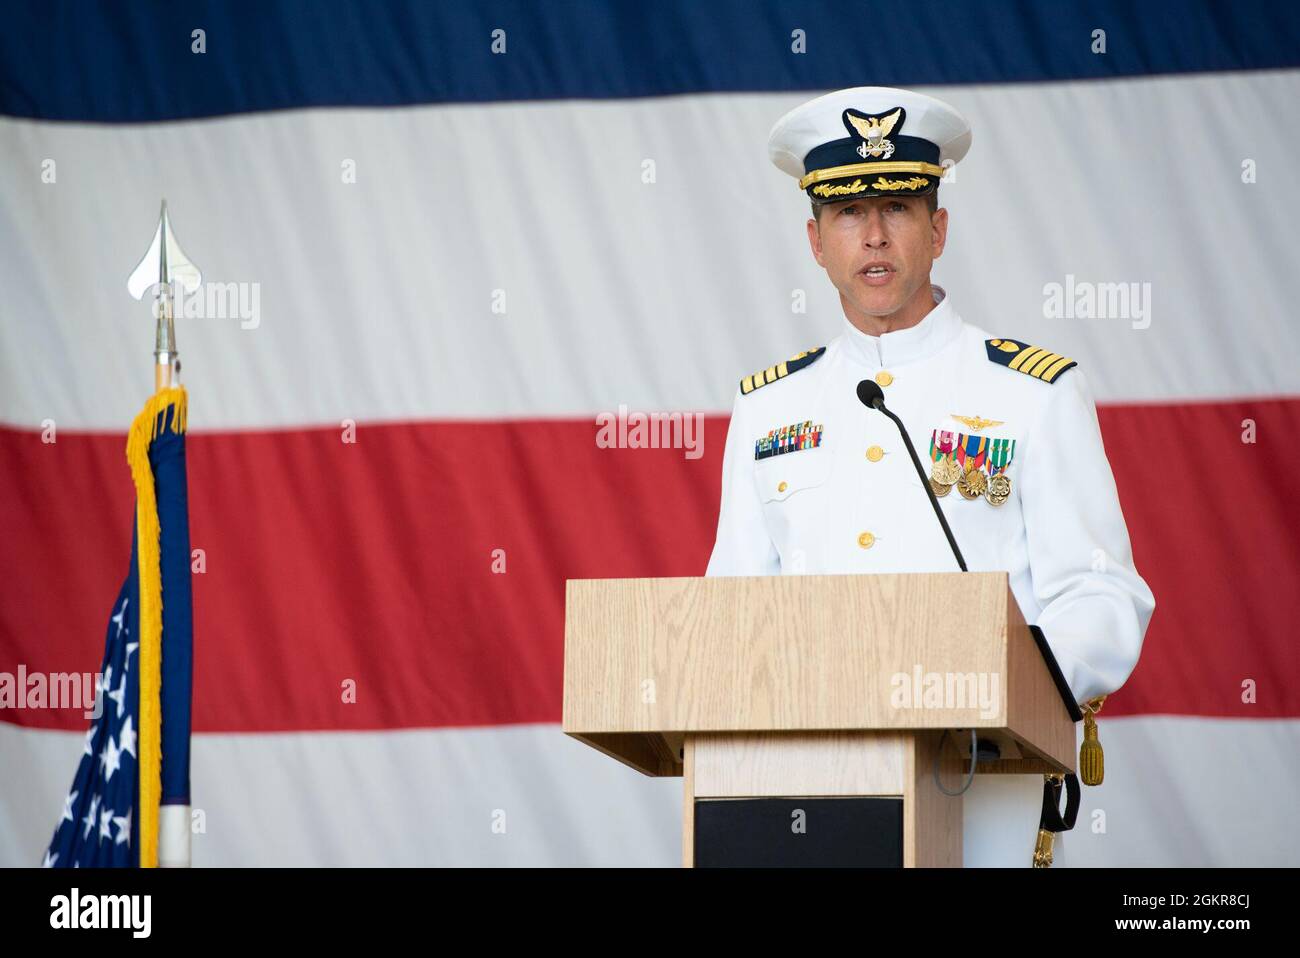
(815, 241)
(938, 232)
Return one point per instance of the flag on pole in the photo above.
(129, 802)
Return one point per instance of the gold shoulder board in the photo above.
(772, 373)
(1031, 360)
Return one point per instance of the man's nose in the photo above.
(873, 231)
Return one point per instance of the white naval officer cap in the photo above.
(868, 141)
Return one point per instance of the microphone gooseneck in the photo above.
(871, 396)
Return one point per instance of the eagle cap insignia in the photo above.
(874, 130)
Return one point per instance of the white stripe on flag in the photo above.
(376, 297)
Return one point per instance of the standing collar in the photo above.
(938, 328)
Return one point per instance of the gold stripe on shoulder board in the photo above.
(772, 373)
(1033, 361)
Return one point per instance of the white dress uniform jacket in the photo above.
(854, 504)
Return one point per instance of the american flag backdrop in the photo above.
(440, 240)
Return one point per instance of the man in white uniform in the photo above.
(815, 482)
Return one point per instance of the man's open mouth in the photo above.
(876, 272)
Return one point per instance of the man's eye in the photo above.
(898, 206)
(848, 209)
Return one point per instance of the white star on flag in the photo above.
(67, 808)
(123, 823)
(90, 818)
(110, 758)
(105, 823)
(49, 859)
(119, 696)
(120, 619)
(126, 740)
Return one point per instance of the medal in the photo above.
(944, 472)
(972, 484)
(999, 490)
(1001, 452)
(971, 451)
(940, 489)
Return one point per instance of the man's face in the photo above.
(878, 250)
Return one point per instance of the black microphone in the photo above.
(871, 396)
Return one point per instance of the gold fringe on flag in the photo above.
(143, 432)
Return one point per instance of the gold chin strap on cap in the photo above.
(867, 169)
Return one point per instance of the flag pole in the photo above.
(151, 723)
(164, 270)
(173, 820)
(165, 355)
(165, 340)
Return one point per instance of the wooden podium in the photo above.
(806, 713)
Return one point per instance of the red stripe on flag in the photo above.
(1212, 521)
(371, 563)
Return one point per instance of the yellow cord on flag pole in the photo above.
(149, 573)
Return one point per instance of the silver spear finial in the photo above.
(164, 268)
